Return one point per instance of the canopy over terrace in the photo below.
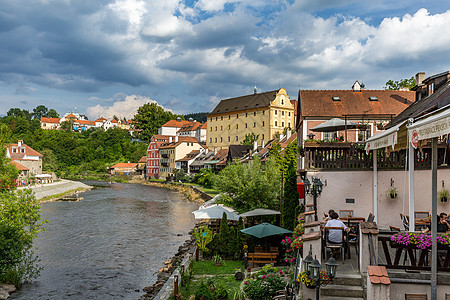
(395, 137)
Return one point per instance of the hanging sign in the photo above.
(414, 139)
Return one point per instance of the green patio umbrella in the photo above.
(264, 229)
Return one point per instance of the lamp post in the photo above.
(313, 267)
(315, 190)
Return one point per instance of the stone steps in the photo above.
(345, 291)
(348, 279)
(338, 298)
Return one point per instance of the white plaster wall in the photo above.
(398, 290)
(358, 185)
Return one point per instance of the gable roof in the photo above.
(181, 139)
(320, 103)
(438, 99)
(28, 152)
(85, 122)
(252, 101)
(191, 126)
(143, 159)
(100, 120)
(175, 123)
(71, 116)
(50, 120)
(238, 151)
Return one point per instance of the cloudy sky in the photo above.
(105, 57)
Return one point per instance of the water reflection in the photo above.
(110, 244)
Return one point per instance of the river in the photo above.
(111, 244)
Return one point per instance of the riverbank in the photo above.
(56, 190)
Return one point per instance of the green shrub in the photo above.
(204, 293)
(220, 292)
(263, 287)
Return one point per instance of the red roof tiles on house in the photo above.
(143, 159)
(19, 155)
(124, 165)
(320, 103)
(100, 120)
(71, 116)
(181, 139)
(19, 166)
(378, 275)
(175, 123)
(50, 120)
(114, 121)
(190, 127)
(85, 122)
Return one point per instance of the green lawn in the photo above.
(211, 192)
(204, 271)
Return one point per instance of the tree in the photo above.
(39, 112)
(20, 222)
(402, 83)
(52, 113)
(250, 138)
(290, 199)
(149, 118)
(249, 186)
(67, 125)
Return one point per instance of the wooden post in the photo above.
(196, 253)
(175, 286)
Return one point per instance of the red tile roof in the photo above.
(100, 120)
(124, 165)
(175, 123)
(85, 122)
(50, 120)
(28, 151)
(71, 116)
(320, 103)
(114, 121)
(204, 126)
(378, 275)
(191, 126)
(181, 139)
(19, 166)
(143, 159)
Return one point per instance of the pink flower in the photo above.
(245, 282)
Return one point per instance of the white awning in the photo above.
(384, 139)
(435, 125)
(43, 175)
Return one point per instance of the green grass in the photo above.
(221, 275)
(209, 191)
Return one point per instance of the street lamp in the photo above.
(313, 267)
(315, 190)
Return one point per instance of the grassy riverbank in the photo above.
(61, 195)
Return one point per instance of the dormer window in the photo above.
(336, 98)
(373, 98)
(22, 150)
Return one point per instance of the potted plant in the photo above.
(393, 193)
(443, 195)
(217, 260)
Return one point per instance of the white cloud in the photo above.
(126, 108)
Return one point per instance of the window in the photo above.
(245, 125)
(262, 136)
(246, 115)
(216, 128)
(221, 139)
(221, 118)
(282, 124)
(263, 112)
(237, 126)
(229, 127)
(276, 124)
(263, 123)
(211, 119)
(210, 129)
(229, 117)
(216, 118)
(276, 111)
(221, 127)
(229, 139)
(254, 124)
(254, 113)
(282, 101)
(289, 124)
(210, 140)
(215, 140)
(289, 114)
(237, 138)
(282, 112)
(237, 116)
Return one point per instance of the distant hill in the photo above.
(199, 117)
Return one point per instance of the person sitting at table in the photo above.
(334, 235)
(327, 217)
(442, 224)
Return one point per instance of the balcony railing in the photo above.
(351, 156)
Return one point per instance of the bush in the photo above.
(204, 293)
(264, 287)
(220, 292)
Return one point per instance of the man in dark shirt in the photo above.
(442, 225)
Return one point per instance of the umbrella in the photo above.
(264, 229)
(215, 212)
(334, 124)
(260, 212)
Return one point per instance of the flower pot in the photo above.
(310, 285)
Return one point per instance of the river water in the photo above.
(109, 245)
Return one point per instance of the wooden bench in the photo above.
(262, 258)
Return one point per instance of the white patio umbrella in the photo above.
(216, 212)
(334, 124)
(260, 212)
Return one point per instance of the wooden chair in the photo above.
(405, 221)
(421, 214)
(416, 296)
(345, 213)
(447, 296)
(258, 249)
(332, 245)
(395, 229)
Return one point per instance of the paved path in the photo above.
(62, 186)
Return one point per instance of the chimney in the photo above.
(288, 133)
(255, 145)
(419, 78)
(178, 119)
(176, 138)
(19, 143)
(262, 143)
(170, 139)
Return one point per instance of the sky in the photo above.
(109, 57)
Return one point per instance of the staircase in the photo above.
(345, 286)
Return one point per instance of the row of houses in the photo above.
(80, 123)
